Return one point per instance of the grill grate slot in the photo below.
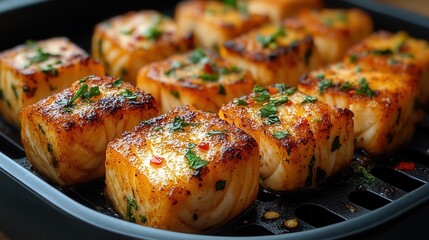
(368, 200)
(397, 178)
(317, 216)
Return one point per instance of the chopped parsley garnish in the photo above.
(128, 31)
(82, 90)
(382, 52)
(177, 125)
(143, 219)
(270, 40)
(353, 58)
(39, 57)
(336, 144)
(364, 88)
(324, 85)
(276, 102)
(281, 134)
(221, 90)
(209, 77)
(194, 161)
(345, 86)
(358, 69)
(175, 94)
(83, 80)
(233, 69)
(118, 82)
(82, 93)
(157, 128)
(174, 66)
(309, 99)
(268, 110)
(93, 91)
(191, 145)
(49, 70)
(281, 87)
(131, 203)
(196, 56)
(262, 93)
(128, 94)
(290, 91)
(220, 185)
(320, 76)
(217, 132)
(272, 119)
(240, 102)
(152, 33)
(231, 3)
(368, 177)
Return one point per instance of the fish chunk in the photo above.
(185, 171)
(301, 140)
(65, 135)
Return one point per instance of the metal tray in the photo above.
(345, 206)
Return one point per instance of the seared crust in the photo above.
(383, 103)
(297, 143)
(152, 165)
(199, 78)
(289, 54)
(127, 42)
(277, 10)
(214, 22)
(76, 125)
(36, 70)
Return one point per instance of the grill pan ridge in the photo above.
(344, 205)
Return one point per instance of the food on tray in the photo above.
(65, 135)
(199, 78)
(394, 52)
(38, 69)
(127, 42)
(214, 22)
(280, 9)
(335, 30)
(273, 53)
(301, 139)
(185, 171)
(382, 102)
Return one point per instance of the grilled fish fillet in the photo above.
(335, 30)
(277, 10)
(31, 72)
(185, 171)
(394, 52)
(199, 78)
(301, 140)
(382, 103)
(65, 135)
(273, 53)
(214, 22)
(127, 42)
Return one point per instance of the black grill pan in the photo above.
(393, 204)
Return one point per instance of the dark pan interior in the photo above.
(343, 198)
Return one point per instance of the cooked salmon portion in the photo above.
(277, 10)
(214, 22)
(394, 52)
(127, 42)
(185, 171)
(65, 135)
(382, 103)
(301, 140)
(38, 69)
(273, 53)
(199, 78)
(335, 30)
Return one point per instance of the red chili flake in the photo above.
(156, 161)
(139, 37)
(204, 146)
(250, 101)
(409, 166)
(272, 90)
(208, 68)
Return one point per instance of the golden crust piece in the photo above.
(301, 140)
(199, 78)
(186, 171)
(127, 42)
(394, 52)
(65, 135)
(273, 53)
(31, 72)
(214, 22)
(335, 30)
(382, 103)
(280, 9)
